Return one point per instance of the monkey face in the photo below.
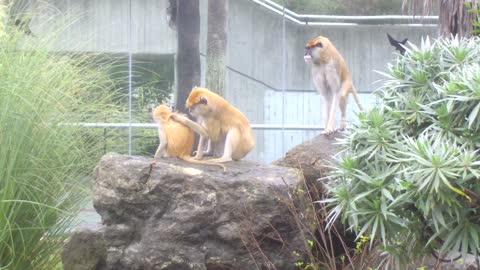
(199, 108)
(197, 102)
(314, 49)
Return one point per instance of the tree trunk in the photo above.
(455, 19)
(188, 54)
(216, 45)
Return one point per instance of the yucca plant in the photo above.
(408, 177)
(45, 156)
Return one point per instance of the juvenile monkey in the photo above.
(331, 78)
(176, 139)
(225, 126)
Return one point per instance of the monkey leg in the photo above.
(343, 110)
(346, 87)
(327, 100)
(199, 152)
(209, 151)
(330, 127)
(231, 142)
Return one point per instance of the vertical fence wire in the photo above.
(130, 78)
(284, 74)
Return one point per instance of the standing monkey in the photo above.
(331, 78)
(176, 139)
(225, 126)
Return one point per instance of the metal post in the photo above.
(130, 80)
(284, 74)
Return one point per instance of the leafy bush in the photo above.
(45, 159)
(409, 174)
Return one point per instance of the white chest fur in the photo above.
(325, 78)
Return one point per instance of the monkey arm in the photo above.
(191, 124)
(161, 150)
(199, 152)
(209, 151)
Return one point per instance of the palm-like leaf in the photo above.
(411, 166)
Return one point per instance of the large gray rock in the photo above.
(182, 216)
(312, 156)
(85, 250)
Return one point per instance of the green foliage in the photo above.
(474, 8)
(409, 173)
(152, 84)
(45, 159)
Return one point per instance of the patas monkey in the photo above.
(218, 121)
(332, 79)
(176, 139)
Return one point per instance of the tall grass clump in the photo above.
(45, 158)
(408, 178)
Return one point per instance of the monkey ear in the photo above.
(203, 100)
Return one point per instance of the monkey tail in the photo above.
(357, 99)
(204, 162)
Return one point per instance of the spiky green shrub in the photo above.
(409, 174)
(44, 156)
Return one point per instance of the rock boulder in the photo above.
(178, 216)
(85, 250)
(312, 156)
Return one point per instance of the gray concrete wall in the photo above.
(254, 77)
(255, 49)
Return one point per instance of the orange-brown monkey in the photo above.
(176, 139)
(332, 79)
(225, 126)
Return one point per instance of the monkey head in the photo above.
(315, 50)
(198, 102)
(161, 113)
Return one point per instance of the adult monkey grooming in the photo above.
(176, 139)
(332, 79)
(220, 122)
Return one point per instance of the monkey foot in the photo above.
(328, 131)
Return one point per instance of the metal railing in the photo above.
(310, 19)
(152, 125)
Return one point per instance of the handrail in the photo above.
(151, 125)
(271, 87)
(310, 19)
